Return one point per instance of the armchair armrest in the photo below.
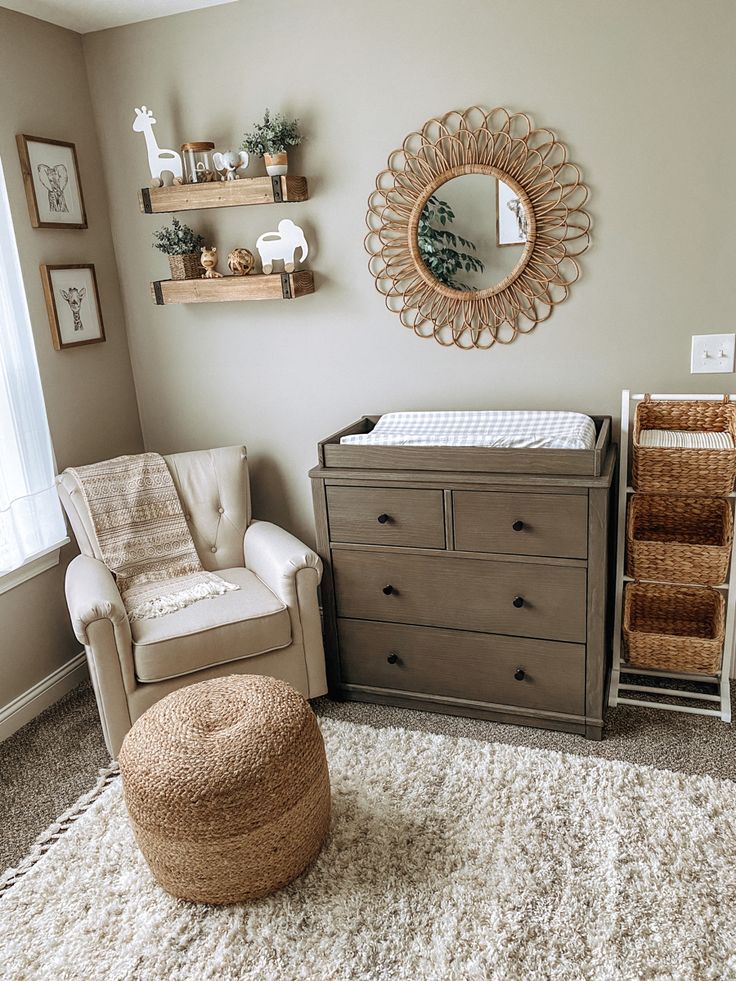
(293, 572)
(91, 595)
(101, 623)
(276, 557)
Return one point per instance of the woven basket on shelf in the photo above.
(679, 539)
(186, 266)
(673, 628)
(678, 470)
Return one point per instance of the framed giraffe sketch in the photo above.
(53, 186)
(73, 305)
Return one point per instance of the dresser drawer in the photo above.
(522, 524)
(517, 598)
(458, 664)
(386, 516)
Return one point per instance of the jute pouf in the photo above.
(227, 788)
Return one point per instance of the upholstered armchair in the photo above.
(270, 626)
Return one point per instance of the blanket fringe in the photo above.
(159, 606)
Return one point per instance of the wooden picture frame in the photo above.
(51, 179)
(66, 288)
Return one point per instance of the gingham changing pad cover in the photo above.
(505, 429)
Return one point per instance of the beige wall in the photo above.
(89, 393)
(641, 92)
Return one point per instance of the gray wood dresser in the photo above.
(467, 580)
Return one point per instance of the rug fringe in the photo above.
(55, 831)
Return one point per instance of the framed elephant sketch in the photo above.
(53, 186)
(73, 305)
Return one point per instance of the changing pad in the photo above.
(684, 439)
(505, 429)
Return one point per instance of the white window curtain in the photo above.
(31, 521)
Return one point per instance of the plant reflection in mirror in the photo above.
(438, 246)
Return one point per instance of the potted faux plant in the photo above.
(182, 245)
(271, 139)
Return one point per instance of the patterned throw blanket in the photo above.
(143, 535)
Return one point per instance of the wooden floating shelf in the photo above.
(223, 194)
(277, 286)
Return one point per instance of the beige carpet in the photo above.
(448, 859)
(47, 764)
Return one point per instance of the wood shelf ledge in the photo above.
(277, 286)
(223, 194)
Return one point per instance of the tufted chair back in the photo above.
(214, 491)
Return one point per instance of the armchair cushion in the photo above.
(238, 624)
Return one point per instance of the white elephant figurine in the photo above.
(231, 161)
(282, 245)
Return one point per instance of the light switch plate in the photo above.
(712, 353)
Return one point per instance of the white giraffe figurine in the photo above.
(160, 161)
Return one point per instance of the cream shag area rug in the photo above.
(447, 859)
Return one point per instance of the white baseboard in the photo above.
(32, 702)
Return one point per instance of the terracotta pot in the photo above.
(277, 164)
(185, 266)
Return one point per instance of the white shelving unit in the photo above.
(622, 692)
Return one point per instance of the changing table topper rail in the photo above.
(468, 459)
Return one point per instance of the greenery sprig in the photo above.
(274, 135)
(177, 239)
(438, 246)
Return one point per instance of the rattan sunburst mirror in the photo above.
(475, 227)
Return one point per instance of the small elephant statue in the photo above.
(282, 245)
(240, 262)
(209, 261)
(230, 162)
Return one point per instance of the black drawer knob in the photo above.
(520, 674)
(518, 526)
(388, 589)
(518, 602)
(393, 658)
(383, 518)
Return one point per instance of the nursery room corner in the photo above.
(367, 487)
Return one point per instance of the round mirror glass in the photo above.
(472, 232)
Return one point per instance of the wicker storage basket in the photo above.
(673, 628)
(674, 470)
(679, 539)
(186, 266)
